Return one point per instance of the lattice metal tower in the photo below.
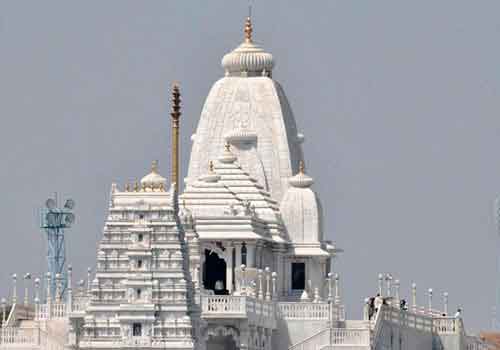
(54, 221)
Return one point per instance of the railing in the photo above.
(331, 337)
(136, 341)
(476, 343)
(17, 335)
(225, 304)
(50, 311)
(407, 318)
(310, 311)
(447, 325)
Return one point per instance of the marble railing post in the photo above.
(274, 276)
(430, 301)
(4, 311)
(396, 290)
(388, 280)
(58, 288)
(445, 303)
(261, 291)
(380, 282)
(27, 277)
(330, 287)
(268, 283)
(414, 297)
(243, 280)
(14, 289)
(37, 297)
(337, 290)
(69, 301)
(49, 296)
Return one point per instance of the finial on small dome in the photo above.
(302, 167)
(175, 114)
(248, 28)
(227, 147)
(154, 167)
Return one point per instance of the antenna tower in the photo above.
(53, 221)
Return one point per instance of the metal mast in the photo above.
(53, 221)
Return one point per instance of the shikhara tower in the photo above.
(237, 260)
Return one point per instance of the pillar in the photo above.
(58, 288)
(49, 296)
(229, 269)
(250, 255)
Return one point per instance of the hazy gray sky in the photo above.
(398, 100)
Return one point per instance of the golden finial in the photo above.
(136, 186)
(127, 187)
(211, 166)
(154, 167)
(301, 167)
(248, 30)
(175, 113)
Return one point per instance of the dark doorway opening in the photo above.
(214, 273)
(298, 275)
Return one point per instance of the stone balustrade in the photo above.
(333, 337)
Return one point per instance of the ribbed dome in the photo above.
(153, 179)
(248, 59)
(301, 211)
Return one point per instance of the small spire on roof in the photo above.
(154, 167)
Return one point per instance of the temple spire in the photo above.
(175, 114)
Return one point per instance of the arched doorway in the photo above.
(214, 273)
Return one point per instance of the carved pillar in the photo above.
(243, 282)
(237, 263)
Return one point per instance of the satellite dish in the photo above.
(69, 219)
(50, 203)
(70, 204)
